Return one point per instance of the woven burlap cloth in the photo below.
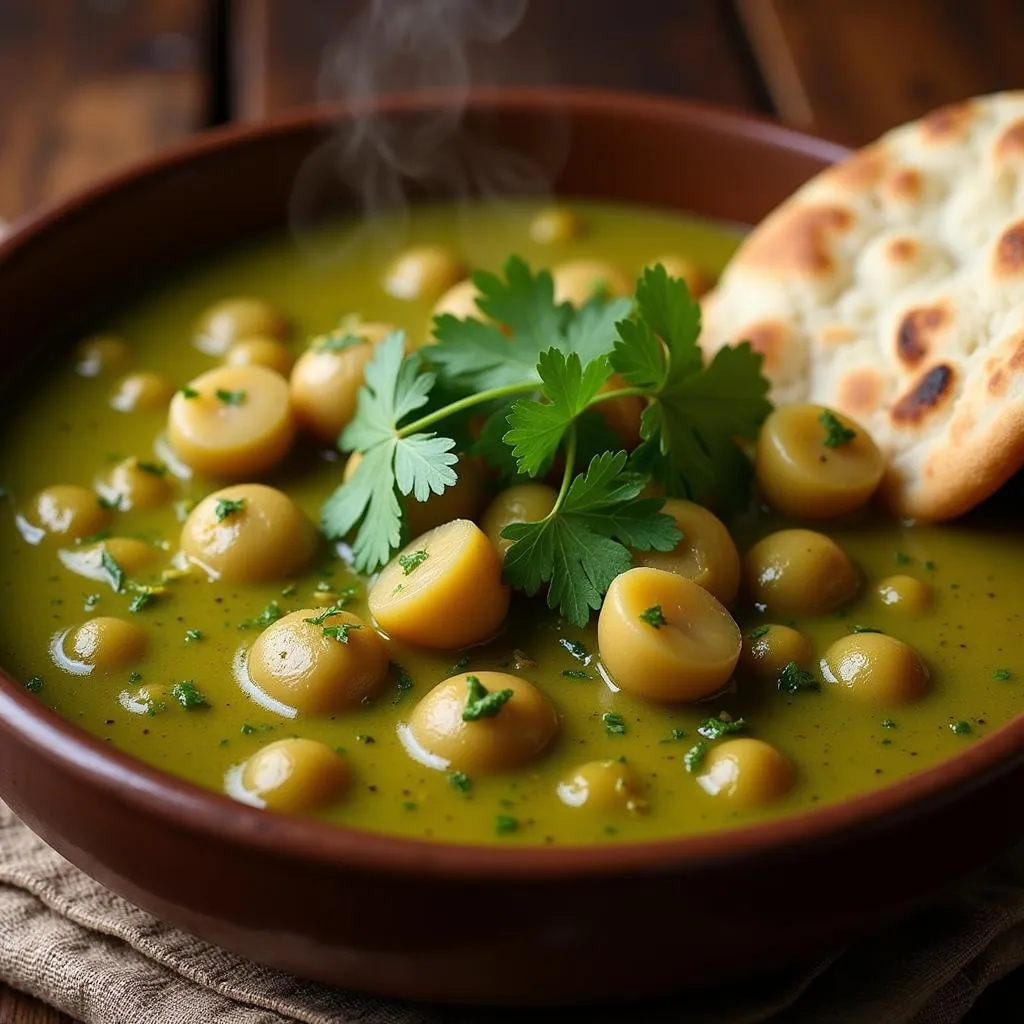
(69, 941)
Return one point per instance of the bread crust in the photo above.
(891, 287)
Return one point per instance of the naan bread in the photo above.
(891, 287)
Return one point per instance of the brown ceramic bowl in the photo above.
(433, 920)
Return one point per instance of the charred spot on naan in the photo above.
(918, 331)
(931, 392)
(784, 349)
(860, 172)
(1009, 146)
(1009, 252)
(903, 185)
(947, 124)
(798, 241)
(861, 391)
(1003, 365)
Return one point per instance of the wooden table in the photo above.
(91, 85)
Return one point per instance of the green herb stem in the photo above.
(466, 403)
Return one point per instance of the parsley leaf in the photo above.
(460, 781)
(653, 616)
(584, 545)
(1002, 674)
(231, 397)
(479, 356)
(715, 728)
(481, 702)
(614, 724)
(694, 757)
(341, 631)
(188, 695)
(270, 614)
(836, 435)
(419, 464)
(228, 507)
(505, 824)
(114, 572)
(793, 680)
(538, 428)
(412, 561)
(697, 411)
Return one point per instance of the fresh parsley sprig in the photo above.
(540, 370)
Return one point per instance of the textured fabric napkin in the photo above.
(69, 941)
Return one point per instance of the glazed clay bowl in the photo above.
(427, 919)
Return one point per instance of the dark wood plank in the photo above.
(689, 48)
(89, 87)
(850, 69)
(17, 1008)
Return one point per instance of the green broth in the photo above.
(64, 432)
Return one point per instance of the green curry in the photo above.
(180, 692)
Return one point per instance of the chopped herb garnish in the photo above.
(412, 561)
(481, 703)
(111, 504)
(269, 614)
(91, 601)
(290, 591)
(153, 468)
(759, 631)
(902, 558)
(322, 617)
(793, 679)
(192, 635)
(614, 723)
(713, 728)
(836, 435)
(403, 682)
(960, 727)
(575, 648)
(408, 805)
(188, 392)
(341, 631)
(460, 781)
(228, 507)
(694, 757)
(364, 738)
(336, 341)
(888, 723)
(864, 629)
(34, 684)
(114, 572)
(1002, 674)
(576, 673)
(929, 566)
(134, 677)
(139, 602)
(230, 397)
(460, 666)
(674, 735)
(188, 695)
(506, 824)
(653, 616)
(249, 730)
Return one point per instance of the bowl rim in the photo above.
(194, 808)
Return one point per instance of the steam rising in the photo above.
(376, 162)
